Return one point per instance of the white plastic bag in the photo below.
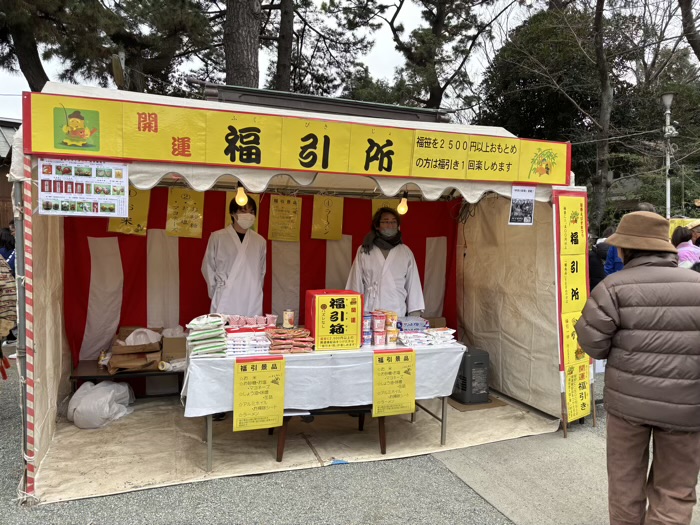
(93, 406)
(142, 336)
(178, 331)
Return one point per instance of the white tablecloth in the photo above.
(320, 380)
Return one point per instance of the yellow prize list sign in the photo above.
(285, 218)
(137, 221)
(185, 213)
(327, 219)
(258, 392)
(394, 389)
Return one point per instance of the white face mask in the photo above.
(245, 220)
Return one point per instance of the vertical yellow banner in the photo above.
(384, 203)
(394, 389)
(137, 221)
(185, 213)
(574, 291)
(230, 195)
(578, 390)
(285, 218)
(258, 392)
(327, 221)
(572, 350)
(572, 225)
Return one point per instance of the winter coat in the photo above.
(645, 320)
(688, 253)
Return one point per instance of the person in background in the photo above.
(645, 320)
(694, 227)
(688, 253)
(7, 248)
(11, 227)
(596, 271)
(601, 246)
(384, 269)
(234, 264)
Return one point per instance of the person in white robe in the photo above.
(385, 270)
(234, 264)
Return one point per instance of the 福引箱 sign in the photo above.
(83, 188)
(59, 125)
(334, 318)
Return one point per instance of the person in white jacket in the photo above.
(234, 264)
(385, 270)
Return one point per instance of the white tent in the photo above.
(507, 284)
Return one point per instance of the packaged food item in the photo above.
(367, 323)
(367, 338)
(378, 321)
(412, 324)
(288, 320)
(392, 321)
(392, 337)
(379, 338)
(271, 320)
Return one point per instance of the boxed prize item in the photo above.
(334, 318)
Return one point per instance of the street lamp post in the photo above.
(669, 132)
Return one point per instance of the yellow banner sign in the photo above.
(572, 350)
(578, 390)
(285, 218)
(394, 388)
(338, 322)
(185, 213)
(572, 225)
(137, 221)
(327, 221)
(574, 289)
(88, 127)
(258, 392)
(441, 155)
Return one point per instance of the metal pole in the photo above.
(668, 163)
(17, 189)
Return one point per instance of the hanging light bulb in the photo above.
(241, 197)
(402, 208)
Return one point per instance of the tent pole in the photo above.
(17, 189)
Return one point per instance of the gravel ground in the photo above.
(413, 490)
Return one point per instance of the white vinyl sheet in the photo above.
(163, 280)
(435, 275)
(320, 379)
(105, 298)
(338, 262)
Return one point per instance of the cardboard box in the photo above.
(123, 333)
(437, 322)
(334, 318)
(134, 362)
(174, 348)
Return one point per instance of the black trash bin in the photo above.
(472, 383)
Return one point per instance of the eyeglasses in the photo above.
(389, 223)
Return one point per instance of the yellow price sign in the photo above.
(439, 155)
(185, 213)
(380, 151)
(338, 322)
(574, 288)
(243, 139)
(327, 219)
(137, 221)
(164, 133)
(285, 218)
(544, 162)
(578, 390)
(493, 158)
(572, 225)
(258, 392)
(315, 145)
(394, 388)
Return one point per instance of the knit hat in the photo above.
(643, 230)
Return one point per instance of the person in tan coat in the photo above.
(645, 320)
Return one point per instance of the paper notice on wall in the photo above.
(327, 222)
(137, 221)
(522, 206)
(285, 218)
(83, 188)
(185, 213)
(230, 195)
